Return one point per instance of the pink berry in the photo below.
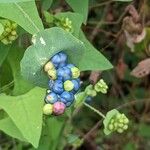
(58, 108)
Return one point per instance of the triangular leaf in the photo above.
(92, 59)
(26, 113)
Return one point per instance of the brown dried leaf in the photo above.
(142, 69)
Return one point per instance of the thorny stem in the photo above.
(95, 110)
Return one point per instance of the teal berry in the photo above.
(51, 98)
(58, 87)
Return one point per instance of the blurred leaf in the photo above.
(144, 130)
(80, 6)
(92, 57)
(48, 43)
(21, 86)
(1, 29)
(26, 113)
(7, 126)
(79, 99)
(4, 49)
(46, 4)
(24, 13)
(48, 17)
(52, 134)
(14, 1)
(129, 146)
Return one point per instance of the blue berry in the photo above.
(63, 57)
(68, 96)
(58, 87)
(59, 60)
(64, 73)
(76, 84)
(68, 104)
(51, 83)
(51, 98)
(70, 66)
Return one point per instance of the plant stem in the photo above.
(95, 110)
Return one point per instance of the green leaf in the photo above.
(46, 4)
(106, 121)
(14, 1)
(92, 59)
(7, 126)
(79, 99)
(52, 133)
(15, 55)
(80, 6)
(4, 49)
(1, 29)
(76, 19)
(26, 113)
(48, 43)
(144, 130)
(24, 13)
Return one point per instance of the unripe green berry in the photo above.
(115, 124)
(12, 38)
(48, 66)
(5, 41)
(126, 120)
(48, 109)
(68, 85)
(52, 74)
(121, 120)
(111, 127)
(119, 130)
(14, 25)
(112, 121)
(125, 127)
(120, 125)
(75, 72)
(8, 30)
(13, 32)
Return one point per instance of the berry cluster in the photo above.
(115, 121)
(64, 83)
(9, 34)
(119, 123)
(64, 23)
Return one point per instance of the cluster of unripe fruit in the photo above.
(9, 34)
(63, 84)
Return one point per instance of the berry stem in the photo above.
(95, 110)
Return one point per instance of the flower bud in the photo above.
(48, 109)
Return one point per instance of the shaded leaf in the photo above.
(46, 4)
(26, 113)
(144, 130)
(24, 13)
(80, 6)
(1, 29)
(21, 86)
(14, 1)
(92, 59)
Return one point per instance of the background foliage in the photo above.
(96, 22)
